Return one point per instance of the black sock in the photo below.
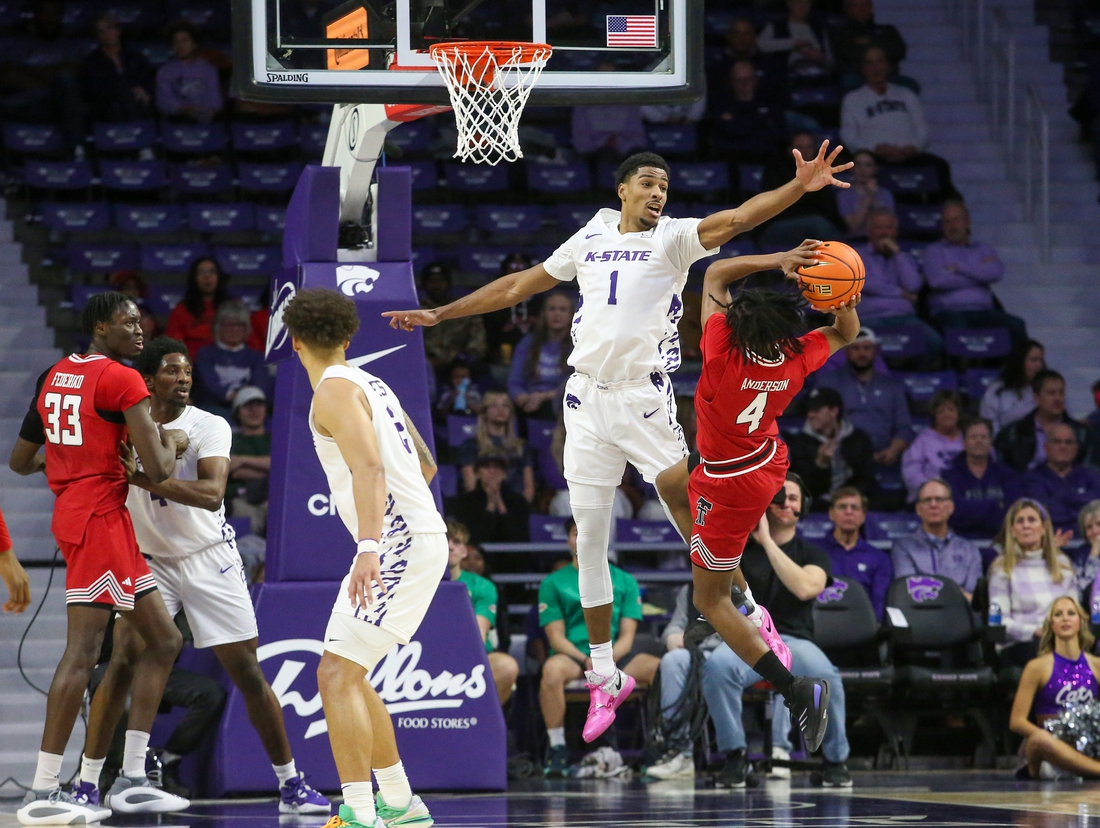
(771, 668)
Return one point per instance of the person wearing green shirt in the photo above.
(483, 594)
(250, 459)
(562, 617)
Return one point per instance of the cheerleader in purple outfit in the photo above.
(1064, 672)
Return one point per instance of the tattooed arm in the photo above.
(423, 454)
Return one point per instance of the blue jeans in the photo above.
(725, 677)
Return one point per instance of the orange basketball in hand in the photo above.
(838, 276)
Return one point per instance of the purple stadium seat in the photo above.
(914, 248)
(920, 386)
(790, 425)
(422, 254)
(815, 96)
(977, 380)
(193, 180)
(127, 137)
(672, 139)
(448, 480)
(132, 176)
(70, 218)
(425, 175)
(684, 383)
(57, 175)
(311, 138)
(645, 531)
(559, 178)
(80, 294)
(193, 139)
(157, 52)
(909, 180)
(540, 433)
(269, 178)
(263, 137)
(249, 261)
(221, 218)
(883, 526)
(572, 217)
(477, 178)
(547, 529)
(711, 177)
(171, 258)
(413, 137)
(460, 429)
(510, 220)
(901, 341)
(148, 218)
(163, 299)
(549, 471)
(815, 527)
(270, 219)
(205, 14)
(132, 15)
(481, 261)
(102, 258)
(247, 294)
(919, 220)
(750, 177)
(439, 219)
(977, 343)
(33, 139)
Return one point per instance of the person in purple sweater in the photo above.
(187, 85)
(959, 272)
(1061, 484)
(893, 280)
(540, 364)
(228, 365)
(853, 557)
(983, 487)
(935, 446)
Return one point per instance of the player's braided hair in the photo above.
(638, 160)
(764, 324)
(321, 318)
(153, 354)
(101, 308)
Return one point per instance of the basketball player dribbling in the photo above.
(630, 265)
(84, 407)
(754, 363)
(378, 469)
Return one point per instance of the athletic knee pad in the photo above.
(592, 509)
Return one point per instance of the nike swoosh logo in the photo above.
(593, 236)
(651, 413)
(228, 568)
(359, 362)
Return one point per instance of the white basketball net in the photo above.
(489, 88)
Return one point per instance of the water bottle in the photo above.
(994, 614)
(460, 396)
(1096, 611)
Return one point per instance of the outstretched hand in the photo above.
(406, 320)
(819, 172)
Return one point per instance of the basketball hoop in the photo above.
(489, 82)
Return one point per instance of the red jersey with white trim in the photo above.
(737, 400)
(79, 406)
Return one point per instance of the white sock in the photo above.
(133, 759)
(393, 784)
(359, 796)
(557, 736)
(90, 770)
(603, 661)
(285, 772)
(46, 776)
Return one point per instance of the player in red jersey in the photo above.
(84, 407)
(754, 363)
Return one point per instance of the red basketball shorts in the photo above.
(106, 567)
(728, 509)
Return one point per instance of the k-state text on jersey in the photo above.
(618, 256)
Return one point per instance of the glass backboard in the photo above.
(375, 51)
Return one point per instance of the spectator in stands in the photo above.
(830, 452)
(117, 81)
(609, 132)
(1009, 397)
(858, 31)
(496, 431)
(483, 595)
(875, 402)
(460, 396)
(463, 337)
(150, 325)
(228, 365)
(187, 86)
(983, 487)
(505, 328)
(540, 364)
(770, 69)
(1061, 483)
(814, 216)
(893, 280)
(1022, 444)
(493, 511)
(1086, 564)
(959, 272)
(744, 122)
(1026, 579)
(888, 120)
(250, 459)
(192, 319)
(865, 196)
(1093, 419)
(934, 549)
(800, 37)
(562, 617)
(936, 446)
(130, 283)
(853, 557)
(257, 336)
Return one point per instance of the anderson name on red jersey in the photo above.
(737, 400)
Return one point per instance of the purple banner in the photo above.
(438, 689)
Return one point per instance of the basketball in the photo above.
(837, 277)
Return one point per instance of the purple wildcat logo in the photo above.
(833, 593)
(572, 401)
(921, 588)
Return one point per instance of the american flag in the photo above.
(638, 31)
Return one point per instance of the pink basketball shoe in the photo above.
(772, 638)
(607, 694)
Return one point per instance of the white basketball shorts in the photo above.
(211, 589)
(609, 424)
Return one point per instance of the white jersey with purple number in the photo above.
(630, 284)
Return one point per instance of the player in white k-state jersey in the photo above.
(180, 527)
(378, 469)
(631, 266)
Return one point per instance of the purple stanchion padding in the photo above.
(394, 214)
(438, 689)
(313, 217)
